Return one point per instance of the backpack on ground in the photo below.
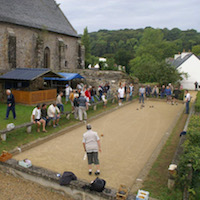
(98, 185)
(67, 177)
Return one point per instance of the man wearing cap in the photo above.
(91, 145)
(68, 90)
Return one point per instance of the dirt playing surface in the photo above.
(131, 134)
(12, 188)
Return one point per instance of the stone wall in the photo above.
(50, 180)
(114, 78)
(30, 46)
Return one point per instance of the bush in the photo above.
(191, 154)
(197, 104)
(181, 95)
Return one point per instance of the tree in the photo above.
(196, 50)
(85, 40)
(148, 69)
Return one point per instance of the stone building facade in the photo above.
(37, 38)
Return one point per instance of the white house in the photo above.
(189, 63)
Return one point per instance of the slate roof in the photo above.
(27, 74)
(40, 14)
(179, 61)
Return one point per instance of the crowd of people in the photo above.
(79, 98)
(125, 92)
(171, 93)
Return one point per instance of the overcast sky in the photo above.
(120, 14)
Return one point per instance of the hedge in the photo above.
(197, 104)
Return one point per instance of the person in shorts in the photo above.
(91, 145)
(54, 114)
(36, 118)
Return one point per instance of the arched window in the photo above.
(47, 57)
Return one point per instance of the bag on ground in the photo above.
(98, 185)
(67, 177)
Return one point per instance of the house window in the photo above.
(47, 57)
(12, 48)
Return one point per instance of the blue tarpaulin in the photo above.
(66, 77)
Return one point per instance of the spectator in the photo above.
(59, 102)
(54, 114)
(176, 95)
(10, 104)
(168, 94)
(131, 89)
(148, 91)
(91, 145)
(187, 100)
(162, 92)
(104, 100)
(121, 94)
(108, 90)
(196, 85)
(36, 118)
(141, 94)
(83, 106)
(44, 115)
(88, 94)
(155, 91)
(127, 94)
(100, 90)
(68, 90)
(171, 88)
(76, 105)
(71, 98)
(93, 94)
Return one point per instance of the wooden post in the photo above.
(3, 136)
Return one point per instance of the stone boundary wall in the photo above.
(49, 179)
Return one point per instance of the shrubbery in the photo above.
(197, 104)
(191, 153)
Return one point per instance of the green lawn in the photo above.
(23, 113)
(20, 136)
(156, 181)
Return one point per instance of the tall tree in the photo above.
(85, 40)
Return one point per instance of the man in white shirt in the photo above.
(36, 118)
(187, 99)
(141, 94)
(91, 145)
(68, 90)
(54, 114)
(121, 94)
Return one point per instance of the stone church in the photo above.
(36, 34)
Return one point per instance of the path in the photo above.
(130, 137)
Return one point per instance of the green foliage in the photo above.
(140, 44)
(148, 69)
(196, 50)
(191, 155)
(197, 104)
(85, 40)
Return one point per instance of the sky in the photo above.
(131, 14)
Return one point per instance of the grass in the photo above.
(156, 181)
(19, 137)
